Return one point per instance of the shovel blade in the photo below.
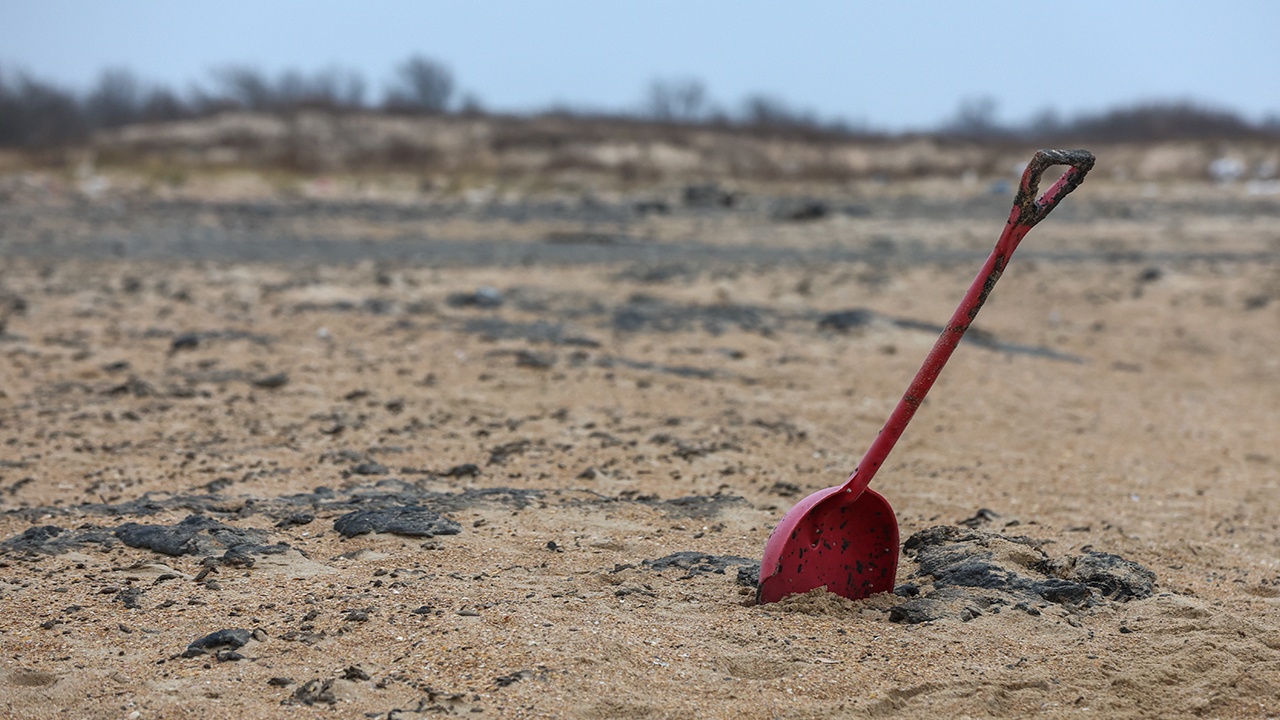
(847, 543)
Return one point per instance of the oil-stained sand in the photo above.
(584, 441)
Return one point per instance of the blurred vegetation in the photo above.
(39, 115)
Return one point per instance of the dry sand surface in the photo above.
(571, 429)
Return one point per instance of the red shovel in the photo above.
(846, 537)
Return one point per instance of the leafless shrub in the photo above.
(333, 88)
(765, 111)
(115, 100)
(37, 115)
(245, 87)
(162, 104)
(1157, 121)
(1147, 122)
(421, 85)
(676, 100)
(1045, 123)
(251, 89)
(975, 119)
(471, 106)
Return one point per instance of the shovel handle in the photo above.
(1027, 211)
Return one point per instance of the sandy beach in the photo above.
(518, 456)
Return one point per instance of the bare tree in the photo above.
(1045, 123)
(471, 105)
(161, 104)
(421, 84)
(334, 88)
(245, 87)
(36, 114)
(116, 100)
(1163, 121)
(340, 87)
(975, 118)
(676, 100)
(767, 111)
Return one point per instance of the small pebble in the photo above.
(354, 672)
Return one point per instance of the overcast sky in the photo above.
(893, 64)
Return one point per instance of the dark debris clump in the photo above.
(973, 572)
(411, 520)
(228, 639)
(195, 535)
(699, 563)
(54, 540)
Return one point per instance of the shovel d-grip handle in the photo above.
(1027, 208)
(1027, 211)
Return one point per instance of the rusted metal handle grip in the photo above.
(1028, 209)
